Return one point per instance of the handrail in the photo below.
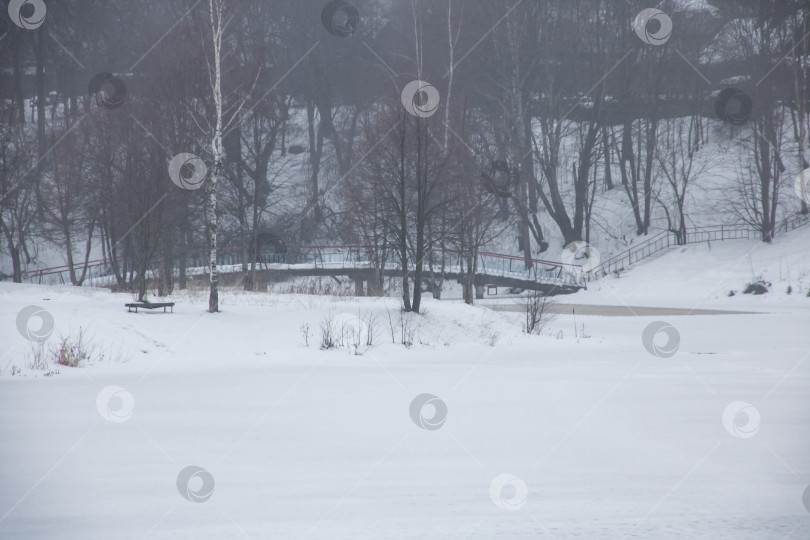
(534, 261)
(604, 267)
(649, 247)
(706, 233)
(63, 268)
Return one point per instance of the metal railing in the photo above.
(39, 273)
(667, 239)
(496, 264)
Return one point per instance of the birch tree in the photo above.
(216, 8)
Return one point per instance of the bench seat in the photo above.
(150, 305)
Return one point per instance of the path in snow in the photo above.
(618, 311)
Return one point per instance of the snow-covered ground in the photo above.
(608, 439)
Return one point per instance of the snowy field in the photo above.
(602, 438)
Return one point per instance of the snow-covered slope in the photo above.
(703, 275)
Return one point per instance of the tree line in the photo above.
(151, 133)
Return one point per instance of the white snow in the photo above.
(609, 440)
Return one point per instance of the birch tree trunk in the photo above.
(216, 9)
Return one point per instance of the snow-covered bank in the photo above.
(703, 275)
(609, 440)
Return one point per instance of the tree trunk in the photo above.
(218, 153)
(403, 225)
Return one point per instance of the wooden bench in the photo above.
(150, 305)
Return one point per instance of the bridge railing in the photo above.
(95, 269)
(513, 266)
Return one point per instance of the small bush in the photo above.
(370, 321)
(731, 293)
(405, 328)
(71, 350)
(790, 290)
(305, 333)
(537, 309)
(79, 347)
(329, 335)
(70, 353)
(347, 331)
(757, 287)
(37, 357)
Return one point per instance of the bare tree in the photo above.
(682, 165)
(17, 195)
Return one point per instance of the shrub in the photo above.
(757, 287)
(405, 329)
(329, 335)
(38, 358)
(305, 332)
(347, 331)
(537, 309)
(70, 351)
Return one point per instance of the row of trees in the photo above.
(297, 110)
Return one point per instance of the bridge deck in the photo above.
(491, 269)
